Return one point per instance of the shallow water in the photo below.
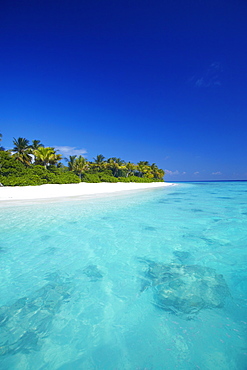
(78, 289)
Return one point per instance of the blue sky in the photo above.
(163, 81)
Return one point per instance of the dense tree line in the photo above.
(34, 164)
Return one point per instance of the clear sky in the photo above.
(162, 80)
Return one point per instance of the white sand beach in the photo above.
(49, 191)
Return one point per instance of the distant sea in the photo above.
(155, 279)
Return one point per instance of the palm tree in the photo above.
(130, 168)
(160, 173)
(99, 162)
(142, 168)
(154, 167)
(115, 164)
(81, 165)
(46, 156)
(22, 150)
(144, 163)
(156, 172)
(36, 144)
(71, 162)
(56, 158)
(99, 159)
(1, 147)
(153, 170)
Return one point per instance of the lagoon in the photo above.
(148, 280)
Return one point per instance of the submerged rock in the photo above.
(182, 255)
(185, 289)
(28, 320)
(93, 272)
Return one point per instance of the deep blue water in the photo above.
(149, 280)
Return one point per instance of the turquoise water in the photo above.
(149, 280)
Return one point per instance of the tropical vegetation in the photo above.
(35, 164)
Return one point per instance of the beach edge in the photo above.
(54, 191)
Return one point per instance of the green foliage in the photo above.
(22, 150)
(107, 178)
(15, 173)
(102, 177)
(36, 165)
(80, 166)
(46, 156)
(99, 177)
(71, 162)
(91, 177)
(99, 159)
(68, 178)
(8, 165)
(36, 144)
(61, 178)
(25, 180)
(138, 179)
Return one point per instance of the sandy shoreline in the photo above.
(50, 191)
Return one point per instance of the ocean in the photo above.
(154, 279)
